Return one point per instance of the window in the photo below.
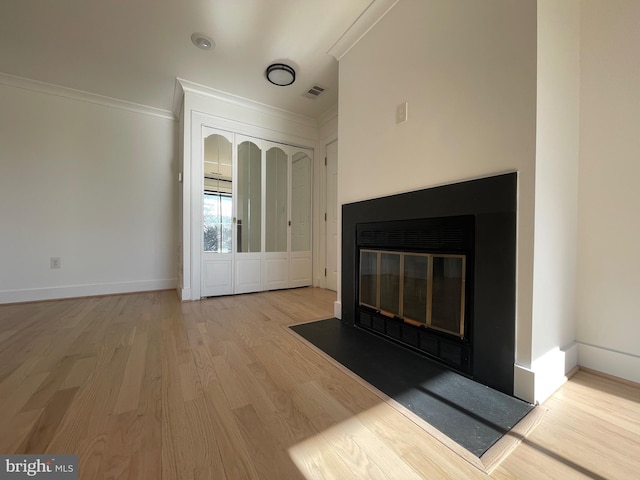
(217, 221)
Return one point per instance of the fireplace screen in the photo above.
(423, 289)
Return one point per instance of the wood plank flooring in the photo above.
(142, 386)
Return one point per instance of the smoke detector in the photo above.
(202, 41)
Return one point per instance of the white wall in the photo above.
(554, 350)
(468, 71)
(89, 183)
(609, 197)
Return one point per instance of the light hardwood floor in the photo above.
(142, 386)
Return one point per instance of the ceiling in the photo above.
(134, 50)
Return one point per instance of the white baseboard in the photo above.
(618, 364)
(524, 383)
(546, 375)
(72, 291)
(337, 309)
(184, 294)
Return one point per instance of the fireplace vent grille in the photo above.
(439, 237)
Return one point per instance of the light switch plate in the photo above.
(402, 111)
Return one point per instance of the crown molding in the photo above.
(82, 96)
(178, 97)
(358, 29)
(183, 86)
(328, 115)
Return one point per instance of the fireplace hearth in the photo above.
(434, 270)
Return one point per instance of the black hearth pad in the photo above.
(471, 414)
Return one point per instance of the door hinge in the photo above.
(325, 161)
(325, 216)
(325, 272)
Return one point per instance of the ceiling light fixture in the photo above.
(281, 74)
(201, 41)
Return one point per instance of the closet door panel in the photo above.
(300, 254)
(300, 269)
(248, 273)
(216, 236)
(276, 272)
(276, 256)
(249, 213)
(216, 277)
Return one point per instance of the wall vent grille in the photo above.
(315, 91)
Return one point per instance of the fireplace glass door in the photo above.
(390, 283)
(424, 289)
(447, 301)
(369, 279)
(415, 288)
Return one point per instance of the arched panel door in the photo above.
(254, 211)
(300, 259)
(217, 213)
(276, 256)
(249, 213)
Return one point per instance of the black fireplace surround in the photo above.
(476, 218)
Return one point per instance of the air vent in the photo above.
(315, 91)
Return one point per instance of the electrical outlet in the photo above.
(402, 111)
(55, 262)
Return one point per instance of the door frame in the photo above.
(326, 218)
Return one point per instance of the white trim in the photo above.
(202, 90)
(358, 29)
(337, 309)
(546, 375)
(612, 362)
(257, 131)
(523, 383)
(72, 291)
(327, 116)
(178, 98)
(82, 96)
(184, 294)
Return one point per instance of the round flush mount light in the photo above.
(201, 41)
(281, 74)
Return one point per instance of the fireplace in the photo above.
(413, 288)
(434, 270)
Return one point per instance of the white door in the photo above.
(217, 242)
(275, 271)
(249, 214)
(331, 240)
(300, 259)
(253, 208)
